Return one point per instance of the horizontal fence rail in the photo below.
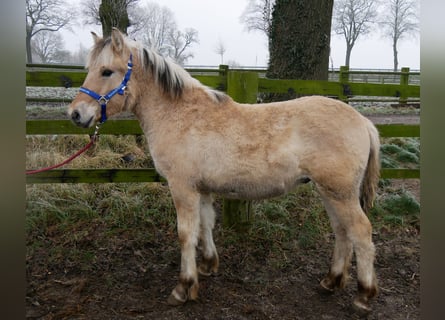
(132, 127)
(345, 84)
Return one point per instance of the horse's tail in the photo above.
(372, 172)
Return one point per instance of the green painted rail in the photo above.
(131, 127)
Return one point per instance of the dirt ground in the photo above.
(132, 280)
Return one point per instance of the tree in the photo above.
(113, 14)
(157, 24)
(153, 25)
(353, 18)
(179, 42)
(299, 39)
(45, 15)
(400, 20)
(257, 16)
(47, 46)
(157, 28)
(79, 56)
(108, 14)
(220, 48)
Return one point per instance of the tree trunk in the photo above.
(113, 13)
(395, 53)
(299, 41)
(28, 48)
(348, 55)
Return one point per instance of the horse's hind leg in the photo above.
(209, 260)
(353, 223)
(341, 258)
(187, 209)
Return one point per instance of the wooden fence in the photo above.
(242, 86)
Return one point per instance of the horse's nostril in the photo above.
(75, 115)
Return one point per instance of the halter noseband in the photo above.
(103, 100)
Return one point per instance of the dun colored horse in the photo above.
(204, 143)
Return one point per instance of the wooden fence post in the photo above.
(404, 80)
(242, 86)
(343, 78)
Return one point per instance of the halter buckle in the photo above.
(102, 100)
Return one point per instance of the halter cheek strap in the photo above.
(103, 100)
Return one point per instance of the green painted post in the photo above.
(343, 78)
(242, 87)
(404, 80)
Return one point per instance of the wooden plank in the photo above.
(51, 127)
(150, 175)
(398, 173)
(302, 87)
(55, 78)
(95, 176)
(398, 130)
(215, 82)
(75, 78)
(382, 90)
(45, 100)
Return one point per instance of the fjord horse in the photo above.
(204, 143)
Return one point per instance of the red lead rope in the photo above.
(78, 153)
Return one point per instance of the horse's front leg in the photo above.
(209, 262)
(187, 209)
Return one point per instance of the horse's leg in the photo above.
(209, 260)
(341, 258)
(357, 227)
(187, 209)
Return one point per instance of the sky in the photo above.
(220, 21)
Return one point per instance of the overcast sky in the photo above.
(216, 20)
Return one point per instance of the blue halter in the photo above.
(103, 100)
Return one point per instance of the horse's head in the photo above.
(104, 91)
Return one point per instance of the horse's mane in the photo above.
(169, 76)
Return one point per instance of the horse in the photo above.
(204, 143)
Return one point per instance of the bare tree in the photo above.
(79, 56)
(220, 48)
(400, 20)
(157, 28)
(152, 24)
(45, 15)
(352, 19)
(180, 41)
(47, 46)
(157, 25)
(257, 16)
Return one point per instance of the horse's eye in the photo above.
(107, 73)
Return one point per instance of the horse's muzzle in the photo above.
(77, 119)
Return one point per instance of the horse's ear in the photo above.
(96, 38)
(117, 39)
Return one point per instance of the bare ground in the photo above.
(129, 279)
(133, 281)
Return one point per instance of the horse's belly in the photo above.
(250, 189)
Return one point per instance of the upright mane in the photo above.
(169, 76)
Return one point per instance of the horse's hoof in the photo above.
(361, 307)
(204, 271)
(174, 300)
(208, 266)
(326, 286)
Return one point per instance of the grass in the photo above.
(400, 152)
